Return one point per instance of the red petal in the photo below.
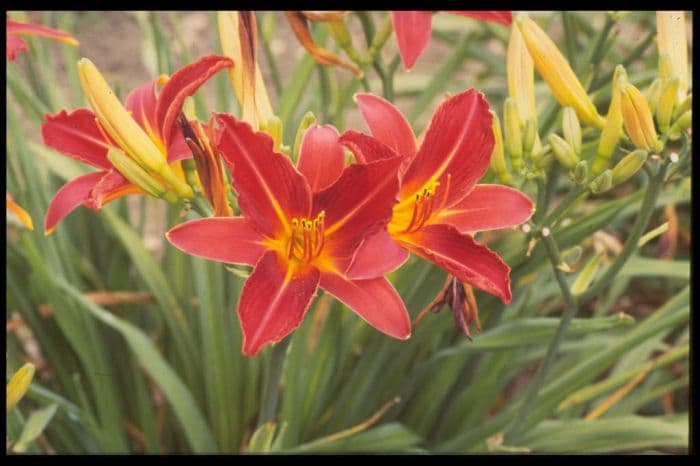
(15, 45)
(356, 205)
(321, 158)
(178, 149)
(110, 187)
(488, 207)
(366, 148)
(141, 102)
(270, 190)
(184, 83)
(412, 34)
(274, 300)
(77, 135)
(15, 27)
(458, 142)
(375, 300)
(387, 124)
(225, 239)
(70, 196)
(503, 17)
(377, 256)
(460, 255)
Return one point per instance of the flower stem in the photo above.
(271, 381)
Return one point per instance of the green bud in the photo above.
(133, 172)
(684, 121)
(529, 135)
(653, 94)
(602, 183)
(543, 157)
(581, 172)
(584, 279)
(572, 129)
(563, 151)
(273, 127)
(498, 161)
(667, 103)
(685, 105)
(628, 166)
(308, 120)
(513, 135)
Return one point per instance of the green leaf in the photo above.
(388, 438)
(35, 425)
(261, 440)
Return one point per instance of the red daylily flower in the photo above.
(300, 228)
(441, 206)
(16, 44)
(80, 136)
(413, 29)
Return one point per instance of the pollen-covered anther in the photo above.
(425, 203)
(306, 238)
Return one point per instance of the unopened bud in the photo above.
(513, 135)
(498, 161)
(602, 183)
(667, 103)
(684, 121)
(684, 105)
(572, 129)
(638, 121)
(133, 172)
(19, 384)
(612, 131)
(529, 135)
(653, 94)
(308, 120)
(543, 157)
(273, 127)
(581, 172)
(563, 151)
(584, 279)
(628, 166)
(665, 68)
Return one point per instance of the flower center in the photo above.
(425, 203)
(306, 239)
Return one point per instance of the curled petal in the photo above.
(271, 191)
(357, 204)
(110, 187)
(387, 124)
(15, 45)
(321, 158)
(377, 256)
(488, 207)
(274, 300)
(184, 83)
(70, 196)
(78, 136)
(375, 300)
(224, 239)
(322, 56)
(366, 148)
(21, 214)
(502, 17)
(412, 34)
(459, 142)
(458, 254)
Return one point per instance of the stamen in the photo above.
(292, 238)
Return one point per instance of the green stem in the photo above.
(540, 208)
(271, 381)
(635, 54)
(572, 306)
(569, 37)
(570, 199)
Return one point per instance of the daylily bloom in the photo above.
(441, 206)
(413, 29)
(143, 135)
(16, 44)
(299, 228)
(21, 214)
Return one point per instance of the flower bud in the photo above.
(557, 73)
(653, 94)
(133, 172)
(273, 127)
(572, 129)
(602, 183)
(667, 103)
(584, 279)
(673, 42)
(628, 166)
(19, 384)
(581, 172)
(513, 135)
(637, 119)
(308, 120)
(530, 136)
(498, 161)
(563, 151)
(685, 105)
(684, 121)
(665, 67)
(612, 131)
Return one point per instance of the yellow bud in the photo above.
(653, 94)
(498, 161)
(628, 166)
(684, 121)
(667, 103)
(530, 136)
(665, 67)
(673, 41)
(685, 105)
(637, 118)
(563, 151)
(557, 73)
(340, 33)
(308, 120)
(520, 71)
(138, 176)
(273, 127)
(602, 183)
(572, 129)
(19, 384)
(513, 135)
(612, 131)
(584, 279)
